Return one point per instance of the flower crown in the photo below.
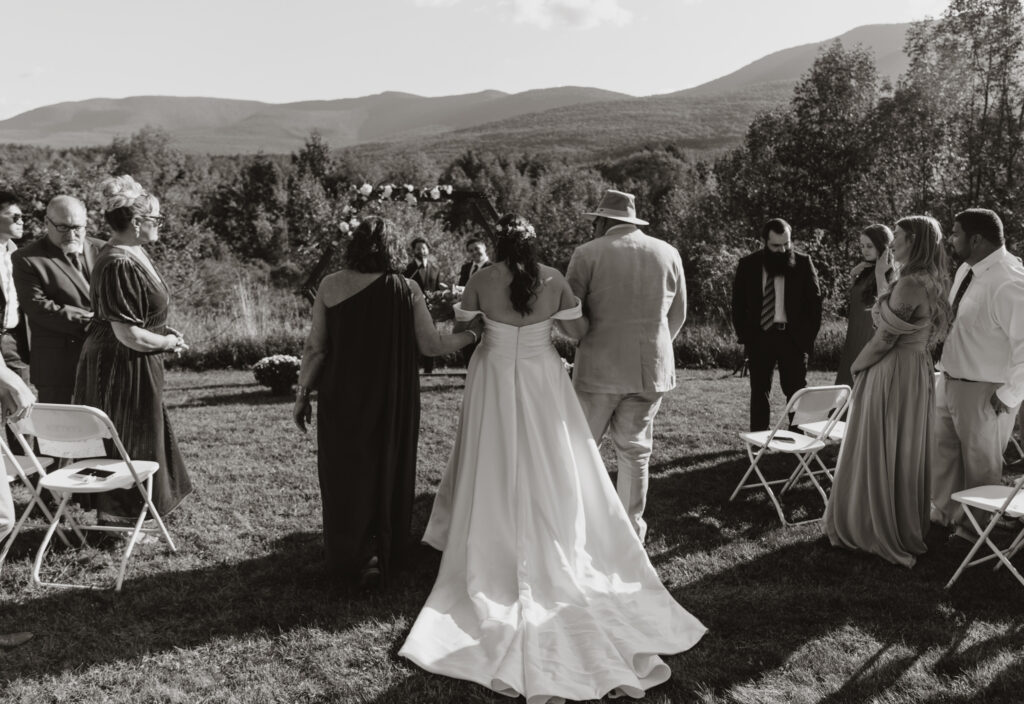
(517, 228)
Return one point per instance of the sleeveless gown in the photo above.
(544, 589)
(880, 500)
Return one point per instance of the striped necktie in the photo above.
(768, 304)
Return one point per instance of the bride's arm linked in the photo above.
(577, 328)
(430, 342)
(906, 300)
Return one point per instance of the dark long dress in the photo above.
(128, 385)
(859, 328)
(368, 418)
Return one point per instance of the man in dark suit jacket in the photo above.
(51, 275)
(427, 275)
(776, 312)
(476, 251)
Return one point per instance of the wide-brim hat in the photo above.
(616, 205)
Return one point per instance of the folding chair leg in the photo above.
(983, 539)
(37, 565)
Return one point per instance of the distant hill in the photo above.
(711, 115)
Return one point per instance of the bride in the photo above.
(544, 589)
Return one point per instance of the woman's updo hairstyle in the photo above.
(516, 246)
(123, 199)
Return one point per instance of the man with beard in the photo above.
(51, 275)
(982, 364)
(776, 312)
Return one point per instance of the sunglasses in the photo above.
(16, 217)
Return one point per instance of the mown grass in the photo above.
(245, 612)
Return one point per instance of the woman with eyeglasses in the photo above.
(121, 370)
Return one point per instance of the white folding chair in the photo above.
(813, 404)
(20, 468)
(1004, 502)
(74, 432)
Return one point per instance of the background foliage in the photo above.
(848, 150)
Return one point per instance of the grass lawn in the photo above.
(245, 613)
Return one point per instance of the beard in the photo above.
(779, 263)
(73, 247)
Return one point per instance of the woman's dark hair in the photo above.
(881, 237)
(374, 247)
(516, 246)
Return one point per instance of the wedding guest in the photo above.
(16, 401)
(870, 278)
(476, 256)
(121, 370)
(880, 498)
(634, 293)
(369, 324)
(13, 340)
(427, 276)
(776, 313)
(982, 364)
(51, 275)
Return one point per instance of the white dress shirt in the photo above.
(986, 341)
(10, 312)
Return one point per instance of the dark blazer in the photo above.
(464, 271)
(427, 276)
(54, 298)
(802, 300)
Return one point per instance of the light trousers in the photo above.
(629, 420)
(7, 518)
(969, 440)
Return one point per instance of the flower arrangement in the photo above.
(280, 372)
(366, 193)
(518, 227)
(441, 304)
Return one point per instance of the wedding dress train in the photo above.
(544, 590)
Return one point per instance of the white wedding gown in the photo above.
(544, 589)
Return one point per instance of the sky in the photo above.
(281, 51)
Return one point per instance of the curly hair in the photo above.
(123, 199)
(927, 264)
(374, 247)
(516, 246)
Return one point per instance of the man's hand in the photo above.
(998, 406)
(16, 398)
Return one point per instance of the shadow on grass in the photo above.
(256, 397)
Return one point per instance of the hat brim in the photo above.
(621, 218)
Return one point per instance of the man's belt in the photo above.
(969, 381)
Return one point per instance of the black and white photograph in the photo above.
(448, 351)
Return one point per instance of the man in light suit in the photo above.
(51, 275)
(634, 294)
(776, 312)
(16, 400)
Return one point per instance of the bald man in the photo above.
(51, 275)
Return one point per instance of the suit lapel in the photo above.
(75, 277)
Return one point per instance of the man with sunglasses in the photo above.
(13, 339)
(52, 279)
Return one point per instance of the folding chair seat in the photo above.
(18, 468)
(74, 432)
(1003, 502)
(821, 406)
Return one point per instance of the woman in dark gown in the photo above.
(871, 278)
(369, 327)
(121, 369)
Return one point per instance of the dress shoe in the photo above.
(13, 640)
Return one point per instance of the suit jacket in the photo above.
(466, 268)
(54, 297)
(802, 300)
(427, 276)
(628, 282)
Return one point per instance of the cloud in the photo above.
(546, 14)
(575, 14)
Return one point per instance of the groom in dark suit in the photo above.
(51, 275)
(776, 312)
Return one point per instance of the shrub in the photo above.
(280, 372)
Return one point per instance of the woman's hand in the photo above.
(884, 263)
(861, 266)
(175, 343)
(302, 413)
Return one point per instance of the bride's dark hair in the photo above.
(516, 246)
